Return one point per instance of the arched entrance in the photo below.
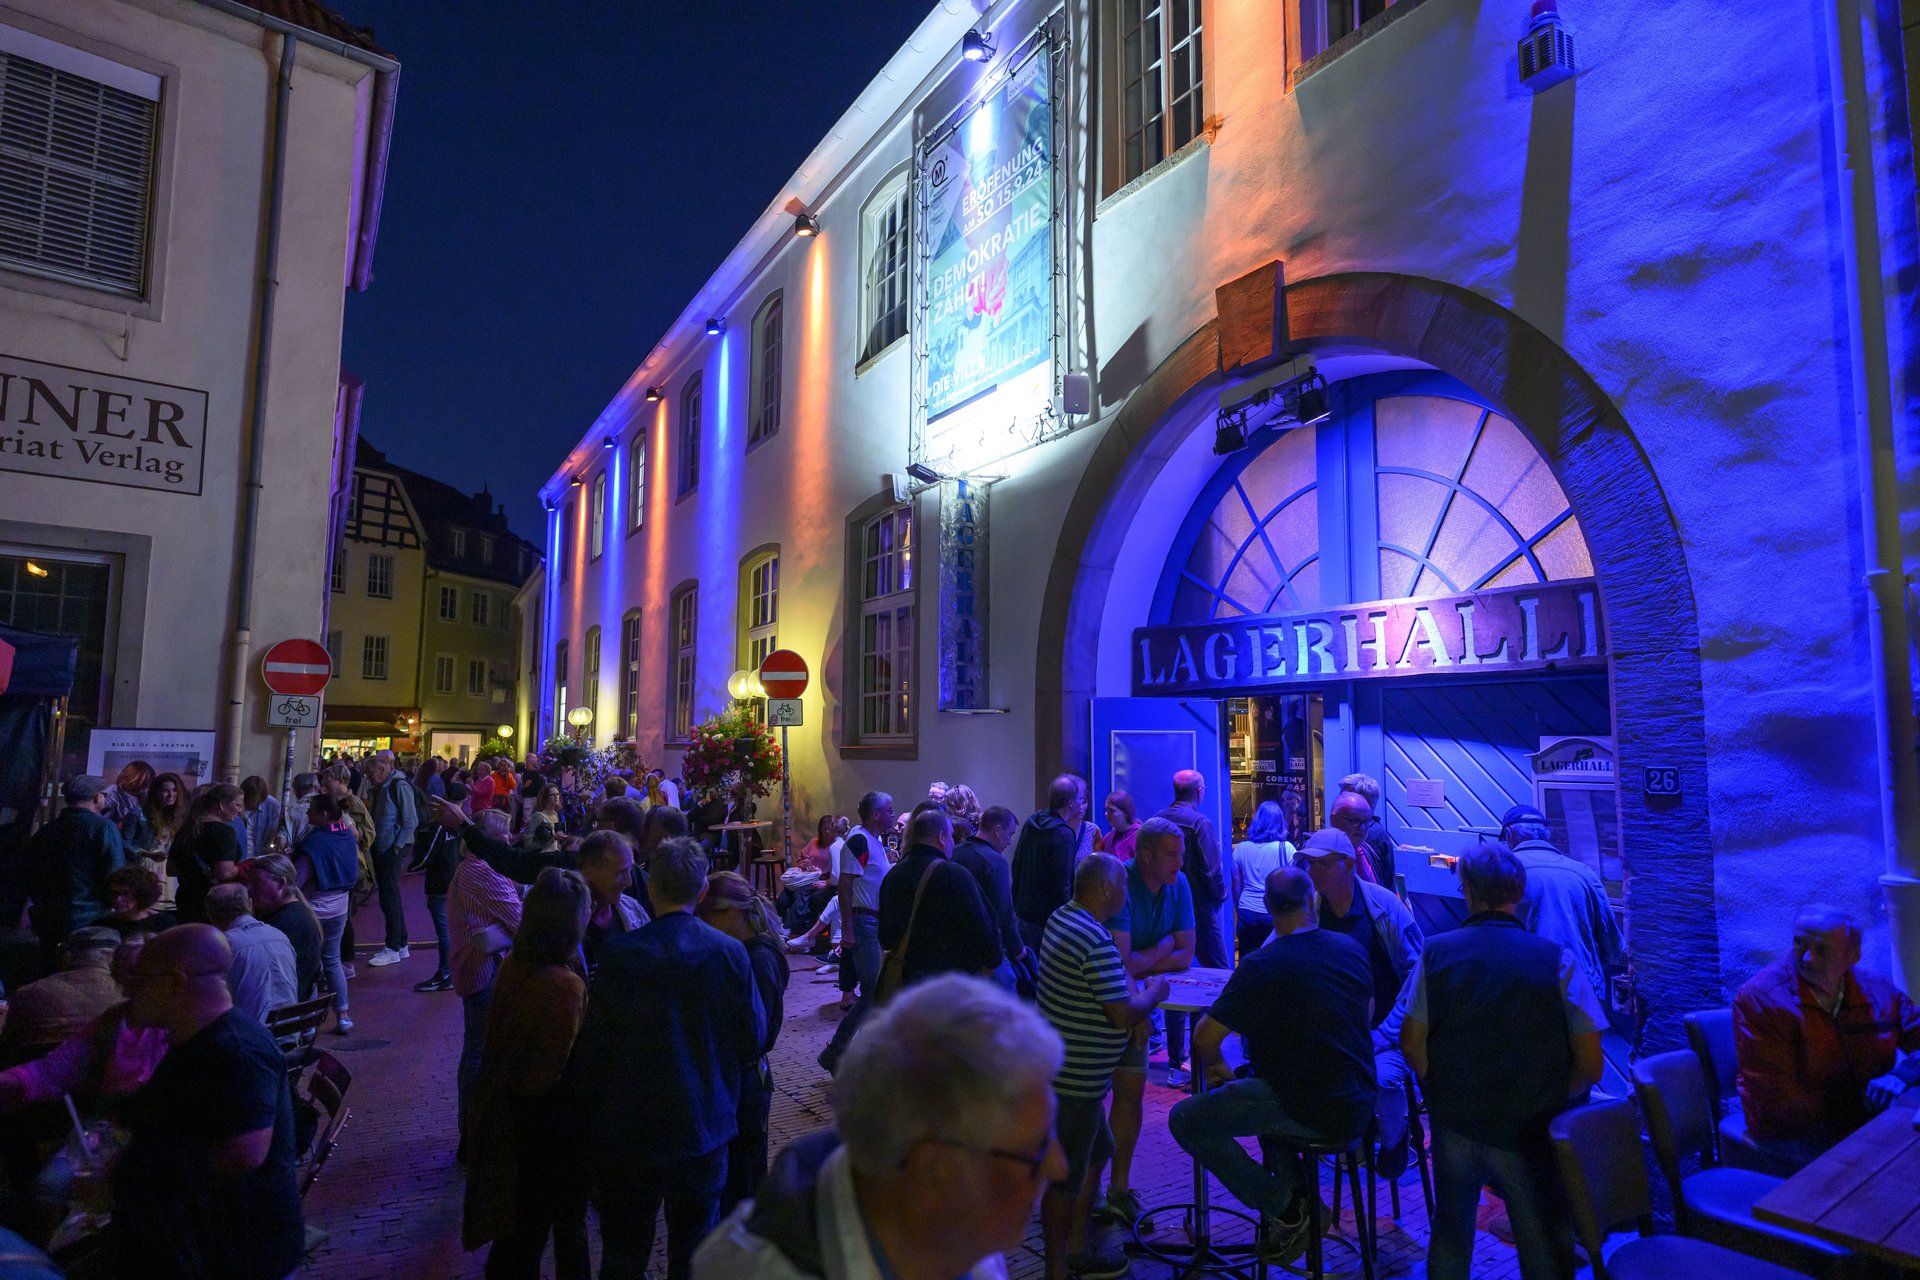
(1637, 561)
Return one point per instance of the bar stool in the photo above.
(763, 873)
(1417, 1136)
(1352, 1154)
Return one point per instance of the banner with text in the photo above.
(989, 222)
(1486, 633)
(75, 424)
(963, 596)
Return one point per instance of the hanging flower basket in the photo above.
(734, 751)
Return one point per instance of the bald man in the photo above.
(1822, 1043)
(206, 1186)
(1351, 815)
(1200, 860)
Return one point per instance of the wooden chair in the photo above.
(327, 1089)
(296, 1026)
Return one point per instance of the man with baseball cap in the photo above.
(68, 862)
(1376, 919)
(1565, 900)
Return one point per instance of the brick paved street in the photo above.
(390, 1198)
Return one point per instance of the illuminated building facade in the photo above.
(1288, 389)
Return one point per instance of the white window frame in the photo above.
(482, 602)
(590, 676)
(1324, 23)
(630, 674)
(683, 618)
(373, 658)
(486, 548)
(560, 724)
(476, 675)
(337, 574)
(1159, 79)
(443, 673)
(379, 577)
(458, 541)
(691, 409)
(888, 603)
(637, 481)
(336, 641)
(597, 519)
(765, 387)
(761, 615)
(886, 258)
(449, 604)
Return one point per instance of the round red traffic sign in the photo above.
(298, 667)
(783, 674)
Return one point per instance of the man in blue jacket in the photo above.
(68, 862)
(673, 1019)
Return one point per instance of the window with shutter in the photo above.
(77, 143)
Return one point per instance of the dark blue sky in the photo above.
(563, 179)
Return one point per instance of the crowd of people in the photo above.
(1002, 989)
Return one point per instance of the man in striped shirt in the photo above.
(1087, 996)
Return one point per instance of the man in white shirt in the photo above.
(264, 972)
(860, 865)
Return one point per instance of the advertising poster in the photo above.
(989, 211)
(187, 752)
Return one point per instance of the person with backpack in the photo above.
(395, 819)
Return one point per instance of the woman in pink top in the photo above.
(1123, 826)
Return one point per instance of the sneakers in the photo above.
(1281, 1240)
(387, 955)
(1391, 1159)
(342, 1025)
(1178, 1077)
(347, 968)
(1100, 1262)
(438, 982)
(1122, 1206)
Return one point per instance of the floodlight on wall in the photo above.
(805, 224)
(976, 46)
(655, 395)
(1310, 405)
(611, 442)
(1229, 433)
(715, 325)
(576, 482)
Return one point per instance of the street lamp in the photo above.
(739, 686)
(580, 717)
(505, 731)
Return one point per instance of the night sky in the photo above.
(563, 179)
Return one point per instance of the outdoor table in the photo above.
(1864, 1193)
(1194, 991)
(738, 830)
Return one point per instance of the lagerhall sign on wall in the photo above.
(78, 424)
(1554, 626)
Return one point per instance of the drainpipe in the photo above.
(240, 645)
(1871, 392)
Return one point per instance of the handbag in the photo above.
(893, 966)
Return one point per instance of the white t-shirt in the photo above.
(1255, 860)
(846, 861)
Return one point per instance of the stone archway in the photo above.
(1658, 710)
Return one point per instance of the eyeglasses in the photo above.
(1034, 1162)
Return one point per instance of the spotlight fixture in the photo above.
(610, 443)
(655, 395)
(1229, 433)
(976, 46)
(923, 473)
(1310, 402)
(805, 224)
(714, 325)
(576, 482)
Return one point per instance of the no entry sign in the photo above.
(783, 674)
(297, 667)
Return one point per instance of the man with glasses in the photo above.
(206, 1184)
(1373, 917)
(944, 1141)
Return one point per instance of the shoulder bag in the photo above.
(893, 967)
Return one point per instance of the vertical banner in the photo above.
(988, 190)
(963, 596)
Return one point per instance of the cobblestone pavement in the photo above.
(390, 1199)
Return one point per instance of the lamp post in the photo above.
(580, 718)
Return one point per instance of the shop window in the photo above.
(759, 613)
(590, 674)
(476, 677)
(380, 577)
(637, 481)
(689, 436)
(443, 673)
(763, 418)
(482, 603)
(681, 611)
(449, 604)
(885, 254)
(79, 137)
(597, 518)
(1162, 101)
(630, 675)
(373, 658)
(884, 627)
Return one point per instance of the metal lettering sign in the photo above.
(963, 595)
(75, 424)
(1553, 626)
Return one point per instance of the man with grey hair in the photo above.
(1566, 902)
(1376, 844)
(1351, 814)
(944, 1141)
(1822, 1043)
(395, 818)
(265, 972)
(673, 1020)
(1085, 992)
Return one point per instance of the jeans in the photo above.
(331, 965)
(386, 878)
(437, 908)
(747, 1153)
(1210, 936)
(866, 966)
(1461, 1167)
(1208, 1125)
(1391, 1069)
(628, 1198)
(1251, 931)
(474, 1009)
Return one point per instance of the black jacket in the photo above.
(953, 932)
(994, 875)
(1043, 867)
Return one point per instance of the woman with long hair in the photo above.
(732, 907)
(133, 902)
(125, 803)
(166, 808)
(207, 849)
(543, 824)
(261, 817)
(1254, 858)
(963, 809)
(327, 864)
(525, 1130)
(1123, 826)
(427, 779)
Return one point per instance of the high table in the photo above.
(1864, 1193)
(1194, 991)
(738, 830)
